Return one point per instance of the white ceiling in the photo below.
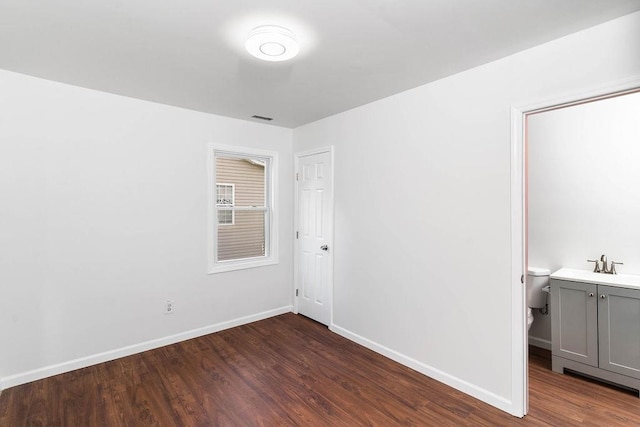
(190, 53)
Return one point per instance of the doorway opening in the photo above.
(560, 184)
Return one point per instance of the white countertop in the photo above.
(620, 280)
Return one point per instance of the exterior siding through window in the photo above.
(245, 238)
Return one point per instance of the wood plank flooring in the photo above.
(289, 370)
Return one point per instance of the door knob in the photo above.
(324, 247)
(603, 296)
(590, 294)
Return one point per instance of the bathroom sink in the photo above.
(586, 276)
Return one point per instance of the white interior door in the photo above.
(314, 266)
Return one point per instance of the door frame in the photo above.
(296, 221)
(519, 333)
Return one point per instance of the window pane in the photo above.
(224, 194)
(245, 177)
(244, 239)
(225, 217)
(240, 182)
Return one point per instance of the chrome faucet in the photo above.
(603, 266)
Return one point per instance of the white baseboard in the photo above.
(461, 385)
(539, 342)
(83, 362)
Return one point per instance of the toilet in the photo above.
(537, 278)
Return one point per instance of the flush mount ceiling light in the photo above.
(272, 43)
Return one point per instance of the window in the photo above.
(225, 195)
(242, 231)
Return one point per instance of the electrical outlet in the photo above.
(168, 307)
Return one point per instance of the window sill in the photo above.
(223, 267)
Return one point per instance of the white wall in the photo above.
(103, 217)
(423, 238)
(584, 176)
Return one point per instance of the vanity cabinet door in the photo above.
(619, 324)
(574, 321)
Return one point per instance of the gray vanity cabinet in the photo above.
(619, 330)
(574, 321)
(595, 330)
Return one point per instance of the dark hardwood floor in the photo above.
(289, 370)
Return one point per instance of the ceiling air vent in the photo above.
(262, 117)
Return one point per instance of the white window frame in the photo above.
(232, 204)
(271, 214)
